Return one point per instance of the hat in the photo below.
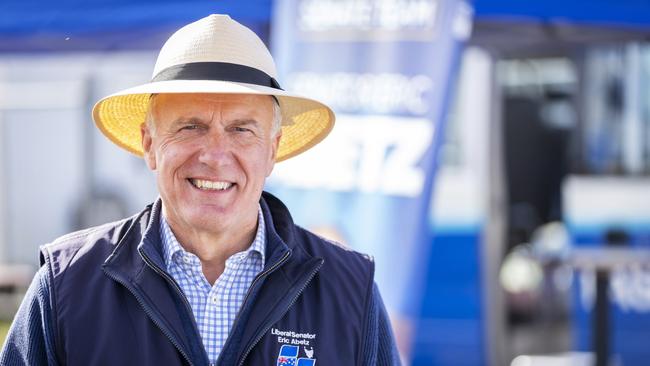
(214, 55)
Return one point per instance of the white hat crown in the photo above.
(215, 38)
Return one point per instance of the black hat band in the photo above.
(219, 71)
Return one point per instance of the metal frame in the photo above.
(3, 192)
(494, 233)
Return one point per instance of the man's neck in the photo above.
(213, 249)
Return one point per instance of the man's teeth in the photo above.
(208, 184)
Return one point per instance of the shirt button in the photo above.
(214, 299)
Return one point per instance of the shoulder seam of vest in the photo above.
(337, 244)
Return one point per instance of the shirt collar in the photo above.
(172, 248)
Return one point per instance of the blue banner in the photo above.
(387, 69)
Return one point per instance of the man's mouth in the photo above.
(209, 185)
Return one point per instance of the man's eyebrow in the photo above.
(244, 121)
(181, 121)
(186, 120)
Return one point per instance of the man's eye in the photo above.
(189, 127)
(241, 129)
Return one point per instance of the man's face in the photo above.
(212, 154)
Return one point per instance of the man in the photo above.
(215, 271)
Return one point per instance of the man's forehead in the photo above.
(211, 98)
(170, 107)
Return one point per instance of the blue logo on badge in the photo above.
(288, 356)
(306, 362)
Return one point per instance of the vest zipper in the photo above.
(150, 315)
(268, 326)
(162, 273)
(257, 278)
(170, 280)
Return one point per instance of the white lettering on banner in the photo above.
(629, 288)
(369, 154)
(366, 15)
(370, 93)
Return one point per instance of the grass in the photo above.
(4, 328)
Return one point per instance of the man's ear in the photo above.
(275, 143)
(149, 155)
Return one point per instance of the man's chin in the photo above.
(214, 223)
(209, 214)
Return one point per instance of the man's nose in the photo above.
(215, 148)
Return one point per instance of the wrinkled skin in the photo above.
(217, 138)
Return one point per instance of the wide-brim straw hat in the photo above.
(214, 55)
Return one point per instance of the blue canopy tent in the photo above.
(36, 25)
(624, 13)
(512, 26)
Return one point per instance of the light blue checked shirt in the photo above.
(215, 307)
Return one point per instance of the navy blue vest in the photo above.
(114, 304)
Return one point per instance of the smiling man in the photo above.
(214, 272)
(212, 153)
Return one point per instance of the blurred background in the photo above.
(493, 156)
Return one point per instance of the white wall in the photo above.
(45, 116)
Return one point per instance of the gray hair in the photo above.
(275, 128)
(277, 117)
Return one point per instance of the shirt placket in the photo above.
(222, 311)
(205, 299)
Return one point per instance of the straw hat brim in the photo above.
(305, 122)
